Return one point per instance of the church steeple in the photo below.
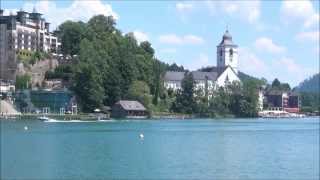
(227, 52)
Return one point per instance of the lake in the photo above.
(170, 149)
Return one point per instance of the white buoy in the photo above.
(141, 136)
(26, 128)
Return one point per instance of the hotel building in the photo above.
(23, 31)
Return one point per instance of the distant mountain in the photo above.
(245, 77)
(311, 84)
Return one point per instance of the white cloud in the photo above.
(308, 36)
(184, 6)
(178, 40)
(170, 39)
(78, 10)
(289, 64)
(267, 44)
(140, 36)
(247, 10)
(284, 68)
(312, 20)
(201, 61)
(251, 64)
(168, 50)
(301, 10)
(192, 39)
(291, 71)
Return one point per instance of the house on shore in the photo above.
(280, 100)
(128, 109)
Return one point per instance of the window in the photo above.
(221, 52)
(231, 54)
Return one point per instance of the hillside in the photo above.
(311, 84)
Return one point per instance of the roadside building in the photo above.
(281, 100)
(22, 34)
(128, 109)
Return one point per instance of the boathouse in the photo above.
(128, 109)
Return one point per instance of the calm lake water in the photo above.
(171, 149)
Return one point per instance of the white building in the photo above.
(22, 33)
(225, 71)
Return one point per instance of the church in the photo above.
(225, 71)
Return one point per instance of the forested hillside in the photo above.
(107, 63)
(309, 91)
(311, 84)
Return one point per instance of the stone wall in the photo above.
(38, 70)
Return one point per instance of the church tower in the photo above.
(227, 53)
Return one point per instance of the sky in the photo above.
(276, 39)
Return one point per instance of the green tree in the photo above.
(100, 24)
(185, 101)
(23, 81)
(140, 91)
(88, 87)
(276, 83)
(71, 34)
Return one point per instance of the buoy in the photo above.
(141, 136)
(26, 128)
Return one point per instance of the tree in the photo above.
(185, 101)
(100, 24)
(71, 34)
(88, 87)
(276, 83)
(23, 81)
(146, 46)
(140, 91)
(175, 67)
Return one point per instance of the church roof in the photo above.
(197, 75)
(227, 40)
(174, 76)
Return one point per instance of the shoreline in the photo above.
(87, 118)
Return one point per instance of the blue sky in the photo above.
(275, 38)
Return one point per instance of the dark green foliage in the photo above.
(23, 82)
(111, 63)
(310, 102)
(278, 86)
(237, 99)
(71, 34)
(276, 83)
(185, 100)
(61, 72)
(175, 67)
(245, 78)
(140, 91)
(88, 87)
(311, 84)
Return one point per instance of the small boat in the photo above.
(45, 118)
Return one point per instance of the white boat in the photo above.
(45, 118)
